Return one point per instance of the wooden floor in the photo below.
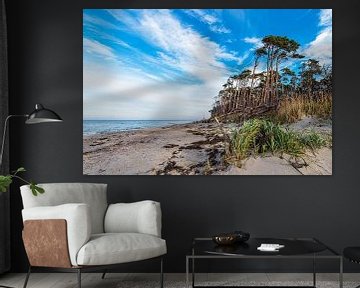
(114, 280)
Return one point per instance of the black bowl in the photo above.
(241, 236)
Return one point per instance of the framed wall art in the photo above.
(207, 91)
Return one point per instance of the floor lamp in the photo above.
(39, 115)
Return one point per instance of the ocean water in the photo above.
(91, 127)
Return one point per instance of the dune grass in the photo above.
(292, 109)
(259, 136)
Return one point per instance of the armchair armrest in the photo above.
(78, 225)
(138, 217)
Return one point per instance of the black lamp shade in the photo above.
(42, 115)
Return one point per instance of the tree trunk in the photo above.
(277, 79)
(253, 72)
(266, 87)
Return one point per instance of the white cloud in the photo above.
(92, 21)
(124, 16)
(96, 25)
(254, 41)
(117, 41)
(214, 22)
(321, 47)
(220, 29)
(325, 17)
(232, 56)
(95, 47)
(203, 16)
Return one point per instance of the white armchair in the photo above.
(72, 228)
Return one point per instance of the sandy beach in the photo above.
(193, 149)
(176, 150)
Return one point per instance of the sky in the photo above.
(158, 64)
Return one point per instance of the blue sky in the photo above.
(151, 64)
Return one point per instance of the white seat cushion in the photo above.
(114, 248)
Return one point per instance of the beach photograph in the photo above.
(207, 92)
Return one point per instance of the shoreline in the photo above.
(190, 149)
(99, 134)
(129, 129)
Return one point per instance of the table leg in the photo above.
(187, 272)
(341, 273)
(193, 267)
(193, 272)
(314, 271)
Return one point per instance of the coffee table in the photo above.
(295, 248)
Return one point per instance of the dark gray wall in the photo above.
(45, 50)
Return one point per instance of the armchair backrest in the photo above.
(55, 194)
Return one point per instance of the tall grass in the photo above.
(258, 136)
(292, 109)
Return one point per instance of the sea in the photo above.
(91, 127)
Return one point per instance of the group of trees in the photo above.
(277, 80)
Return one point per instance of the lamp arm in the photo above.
(4, 134)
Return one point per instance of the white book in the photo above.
(270, 247)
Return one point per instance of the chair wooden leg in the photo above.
(103, 275)
(79, 278)
(27, 277)
(161, 273)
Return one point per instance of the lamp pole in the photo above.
(4, 134)
(2, 152)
